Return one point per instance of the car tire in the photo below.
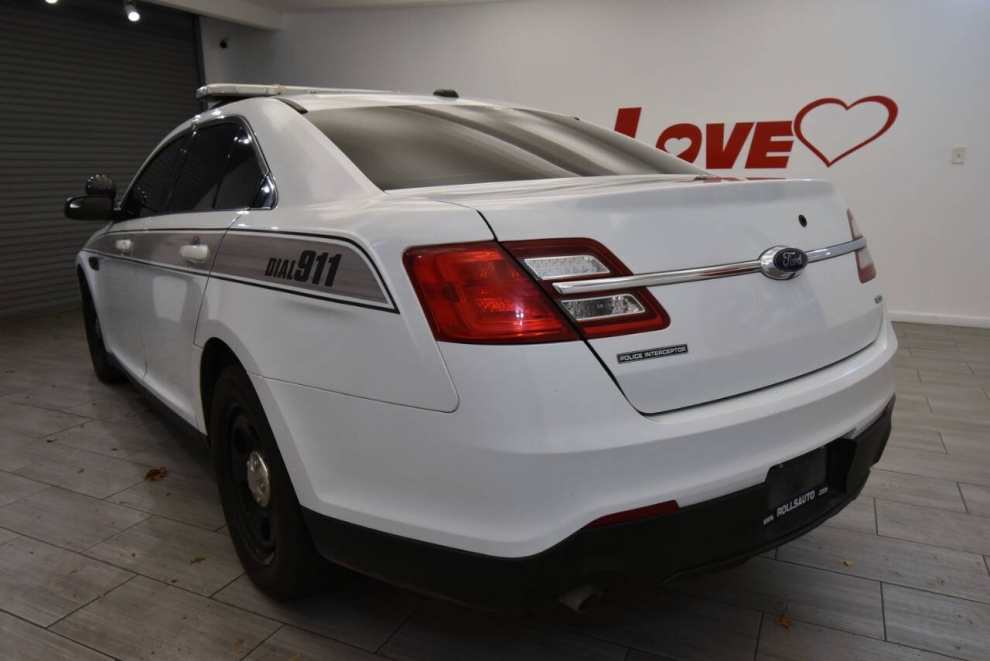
(263, 514)
(105, 371)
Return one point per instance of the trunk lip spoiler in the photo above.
(660, 278)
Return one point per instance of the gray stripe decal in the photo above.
(308, 265)
(327, 268)
(162, 248)
(107, 243)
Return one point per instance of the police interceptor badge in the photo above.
(646, 354)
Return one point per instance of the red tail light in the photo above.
(476, 293)
(604, 314)
(864, 260)
(636, 514)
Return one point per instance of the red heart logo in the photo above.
(682, 132)
(886, 102)
(678, 146)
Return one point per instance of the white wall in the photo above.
(713, 61)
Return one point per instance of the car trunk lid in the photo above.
(728, 335)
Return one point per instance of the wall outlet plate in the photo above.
(958, 155)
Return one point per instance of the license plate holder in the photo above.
(796, 483)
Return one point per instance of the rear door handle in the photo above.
(196, 253)
(124, 246)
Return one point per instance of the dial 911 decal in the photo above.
(283, 268)
(314, 266)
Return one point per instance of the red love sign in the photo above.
(882, 100)
(769, 148)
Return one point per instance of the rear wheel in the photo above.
(105, 371)
(260, 505)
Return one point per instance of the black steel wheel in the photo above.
(259, 503)
(252, 487)
(105, 371)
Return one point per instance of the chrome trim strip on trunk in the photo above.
(661, 278)
(836, 251)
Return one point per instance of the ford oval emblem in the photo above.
(783, 262)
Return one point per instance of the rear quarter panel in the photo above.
(368, 351)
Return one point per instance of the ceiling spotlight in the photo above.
(51, 2)
(132, 13)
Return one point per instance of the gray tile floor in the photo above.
(95, 562)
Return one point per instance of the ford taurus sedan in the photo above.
(484, 351)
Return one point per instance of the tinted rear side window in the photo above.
(149, 195)
(242, 178)
(197, 185)
(435, 145)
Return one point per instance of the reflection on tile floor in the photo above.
(95, 562)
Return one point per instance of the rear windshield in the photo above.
(439, 145)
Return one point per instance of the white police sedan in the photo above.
(485, 351)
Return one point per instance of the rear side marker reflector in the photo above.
(864, 260)
(636, 514)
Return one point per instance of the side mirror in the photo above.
(101, 184)
(89, 207)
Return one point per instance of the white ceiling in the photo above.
(291, 5)
(267, 14)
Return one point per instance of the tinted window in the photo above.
(149, 195)
(196, 187)
(435, 145)
(242, 178)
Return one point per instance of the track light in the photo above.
(131, 10)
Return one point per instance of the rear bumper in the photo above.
(543, 443)
(717, 532)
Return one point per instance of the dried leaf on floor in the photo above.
(50, 440)
(847, 563)
(296, 657)
(156, 473)
(196, 559)
(784, 620)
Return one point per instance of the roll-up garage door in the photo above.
(82, 91)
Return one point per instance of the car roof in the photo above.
(321, 98)
(322, 101)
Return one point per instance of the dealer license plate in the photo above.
(796, 483)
